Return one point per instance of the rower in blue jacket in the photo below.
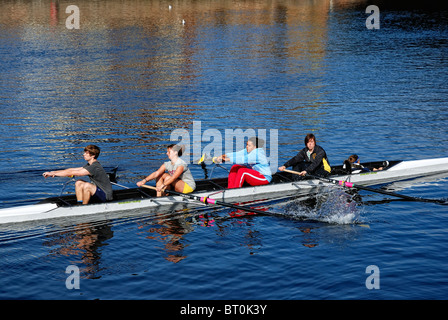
(251, 165)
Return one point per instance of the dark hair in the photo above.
(258, 143)
(93, 150)
(353, 158)
(179, 148)
(308, 137)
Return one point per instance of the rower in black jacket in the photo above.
(310, 160)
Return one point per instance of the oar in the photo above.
(122, 186)
(203, 166)
(352, 185)
(210, 201)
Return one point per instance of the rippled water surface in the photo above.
(136, 71)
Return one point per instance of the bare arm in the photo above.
(222, 158)
(175, 176)
(152, 176)
(67, 172)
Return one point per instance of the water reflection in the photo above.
(83, 245)
(170, 233)
(140, 52)
(91, 245)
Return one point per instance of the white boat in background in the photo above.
(283, 185)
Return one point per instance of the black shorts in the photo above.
(99, 195)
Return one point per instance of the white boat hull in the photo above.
(398, 172)
(169, 203)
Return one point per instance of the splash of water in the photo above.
(331, 205)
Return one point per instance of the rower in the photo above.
(178, 175)
(251, 165)
(99, 189)
(310, 160)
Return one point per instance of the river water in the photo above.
(136, 73)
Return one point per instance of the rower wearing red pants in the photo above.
(251, 165)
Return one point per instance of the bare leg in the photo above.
(178, 185)
(78, 190)
(84, 191)
(161, 180)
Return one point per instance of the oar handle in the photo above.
(291, 171)
(148, 187)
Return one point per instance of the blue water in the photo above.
(134, 72)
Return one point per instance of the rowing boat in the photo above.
(283, 185)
